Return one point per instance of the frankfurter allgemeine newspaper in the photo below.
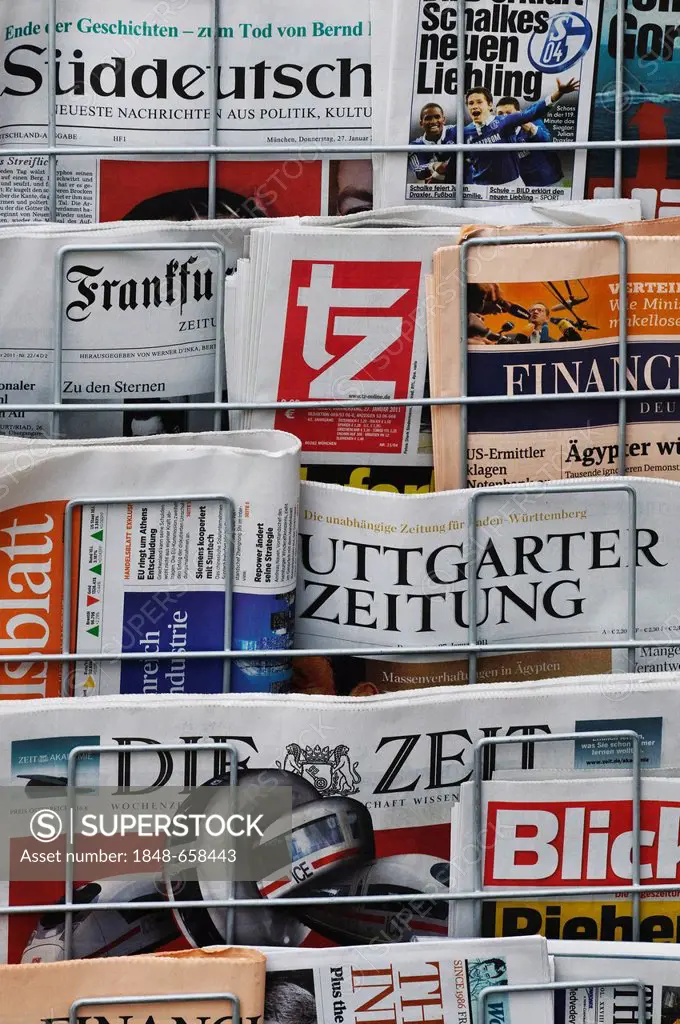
(45, 992)
(171, 547)
(380, 570)
(373, 783)
(440, 981)
(142, 76)
(546, 322)
(579, 961)
(562, 834)
(528, 77)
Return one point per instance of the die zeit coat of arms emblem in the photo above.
(330, 770)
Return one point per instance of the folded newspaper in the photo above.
(527, 335)
(656, 968)
(46, 992)
(549, 567)
(175, 545)
(407, 982)
(143, 76)
(374, 783)
(558, 834)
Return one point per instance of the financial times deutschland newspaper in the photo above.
(528, 78)
(560, 834)
(532, 332)
(374, 782)
(142, 76)
(214, 570)
(135, 326)
(656, 968)
(392, 570)
(44, 992)
(440, 981)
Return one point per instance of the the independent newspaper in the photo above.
(558, 834)
(437, 982)
(556, 333)
(179, 544)
(527, 78)
(142, 76)
(374, 781)
(379, 570)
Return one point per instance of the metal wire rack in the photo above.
(212, 152)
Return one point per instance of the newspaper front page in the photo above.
(374, 780)
(543, 319)
(528, 77)
(383, 570)
(656, 968)
(400, 983)
(560, 834)
(215, 570)
(142, 76)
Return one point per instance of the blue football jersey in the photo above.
(536, 168)
(490, 168)
(419, 163)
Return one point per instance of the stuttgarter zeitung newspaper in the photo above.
(136, 326)
(528, 78)
(142, 77)
(389, 570)
(407, 982)
(562, 834)
(530, 336)
(39, 993)
(657, 968)
(374, 782)
(148, 576)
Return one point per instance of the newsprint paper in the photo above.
(35, 993)
(383, 570)
(560, 834)
(141, 76)
(656, 968)
(184, 546)
(374, 783)
(543, 319)
(528, 78)
(404, 983)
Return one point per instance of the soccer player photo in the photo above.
(431, 167)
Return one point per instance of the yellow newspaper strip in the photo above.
(592, 919)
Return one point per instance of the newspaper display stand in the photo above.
(211, 153)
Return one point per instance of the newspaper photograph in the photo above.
(528, 78)
(657, 968)
(530, 336)
(142, 77)
(380, 570)
(215, 571)
(373, 785)
(440, 981)
(560, 834)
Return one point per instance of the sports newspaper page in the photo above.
(562, 835)
(142, 76)
(528, 77)
(374, 782)
(390, 570)
(532, 332)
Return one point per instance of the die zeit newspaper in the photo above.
(408, 983)
(142, 76)
(561, 834)
(373, 782)
(383, 570)
(528, 77)
(529, 335)
(214, 570)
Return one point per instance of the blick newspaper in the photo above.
(374, 780)
(528, 78)
(141, 76)
(562, 835)
(121, 571)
